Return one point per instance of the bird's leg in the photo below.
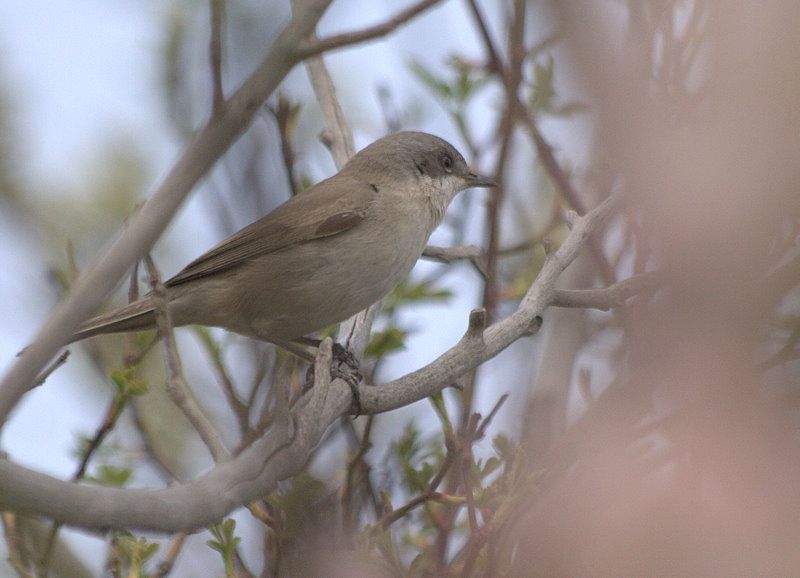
(342, 356)
(340, 352)
(296, 348)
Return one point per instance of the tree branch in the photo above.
(477, 345)
(609, 297)
(215, 54)
(337, 135)
(147, 225)
(177, 388)
(284, 450)
(318, 46)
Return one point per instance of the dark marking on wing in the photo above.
(330, 207)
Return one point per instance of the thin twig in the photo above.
(215, 54)
(609, 297)
(314, 47)
(284, 114)
(511, 78)
(484, 425)
(178, 389)
(450, 254)
(114, 410)
(471, 253)
(337, 135)
(285, 451)
(543, 149)
(208, 145)
(358, 464)
(564, 186)
(240, 410)
(428, 494)
(175, 547)
(17, 555)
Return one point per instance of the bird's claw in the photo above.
(345, 366)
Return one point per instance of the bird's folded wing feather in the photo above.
(331, 207)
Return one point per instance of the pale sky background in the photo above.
(81, 71)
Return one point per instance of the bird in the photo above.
(320, 257)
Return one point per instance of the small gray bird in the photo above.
(322, 256)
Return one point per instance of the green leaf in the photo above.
(128, 381)
(108, 475)
(490, 466)
(386, 341)
(504, 447)
(407, 292)
(407, 447)
(426, 77)
(226, 542)
(135, 553)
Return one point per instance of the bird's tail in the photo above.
(136, 316)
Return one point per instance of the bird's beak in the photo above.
(476, 180)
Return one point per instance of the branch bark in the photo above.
(608, 297)
(285, 448)
(292, 46)
(312, 47)
(207, 147)
(474, 349)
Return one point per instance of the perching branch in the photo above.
(210, 143)
(177, 388)
(479, 345)
(284, 449)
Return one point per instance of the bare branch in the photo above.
(337, 135)
(215, 54)
(18, 555)
(450, 254)
(240, 409)
(353, 333)
(469, 353)
(314, 47)
(563, 184)
(604, 299)
(178, 389)
(202, 152)
(285, 448)
(471, 253)
(166, 565)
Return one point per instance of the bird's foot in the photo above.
(352, 378)
(344, 356)
(345, 366)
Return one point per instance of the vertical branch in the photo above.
(337, 135)
(178, 389)
(285, 114)
(511, 78)
(215, 54)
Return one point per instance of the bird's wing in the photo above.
(329, 208)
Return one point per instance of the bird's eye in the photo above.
(447, 162)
